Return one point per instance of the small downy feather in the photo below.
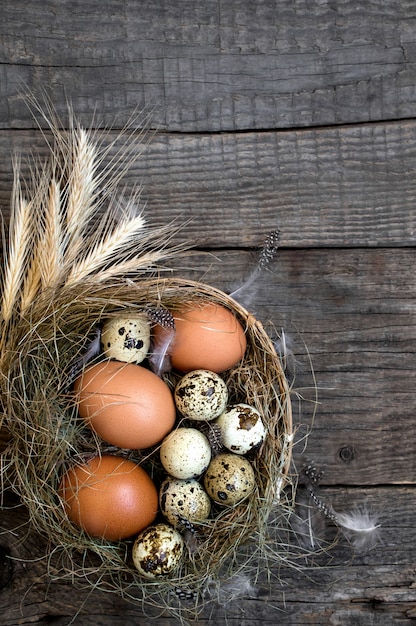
(358, 525)
(159, 359)
(246, 292)
(92, 349)
(360, 528)
(230, 589)
(283, 347)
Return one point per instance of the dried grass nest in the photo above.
(45, 328)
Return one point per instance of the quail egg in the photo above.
(183, 500)
(185, 453)
(229, 479)
(201, 395)
(241, 428)
(126, 338)
(157, 551)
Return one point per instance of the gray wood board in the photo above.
(349, 316)
(342, 186)
(336, 587)
(212, 66)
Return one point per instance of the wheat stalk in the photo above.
(41, 257)
(20, 240)
(103, 251)
(81, 190)
(55, 238)
(52, 264)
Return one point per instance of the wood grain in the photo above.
(271, 114)
(348, 186)
(350, 314)
(212, 66)
(376, 586)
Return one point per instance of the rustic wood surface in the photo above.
(281, 114)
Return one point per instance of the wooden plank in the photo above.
(212, 66)
(351, 317)
(336, 587)
(347, 186)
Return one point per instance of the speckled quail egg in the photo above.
(229, 479)
(185, 453)
(126, 338)
(201, 395)
(157, 550)
(241, 428)
(183, 500)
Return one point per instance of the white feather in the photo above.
(283, 346)
(92, 349)
(237, 586)
(360, 528)
(159, 359)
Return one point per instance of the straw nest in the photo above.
(50, 309)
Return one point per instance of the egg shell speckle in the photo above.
(183, 500)
(126, 339)
(201, 395)
(157, 551)
(185, 453)
(241, 428)
(229, 479)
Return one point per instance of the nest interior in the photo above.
(46, 435)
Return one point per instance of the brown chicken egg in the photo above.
(207, 336)
(109, 497)
(126, 404)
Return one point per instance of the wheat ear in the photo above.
(20, 239)
(52, 262)
(116, 243)
(81, 190)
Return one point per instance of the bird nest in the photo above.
(61, 280)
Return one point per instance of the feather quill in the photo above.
(307, 523)
(359, 526)
(245, 293)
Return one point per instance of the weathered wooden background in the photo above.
(290, 114)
